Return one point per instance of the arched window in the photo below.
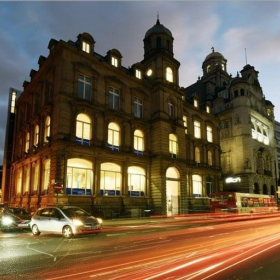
(113, 136)
(79, 177)
(138, 142)
(197, 185)
(197, 155)
(169, 74)
(47, 132)
(19, 181)
(36, 136)
(35, 178)
(210, 157)
(136, 181)
(46, 176)
(27, 142)
(173, 145)
(110, 179)
(83, 130)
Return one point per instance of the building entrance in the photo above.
(172, 191)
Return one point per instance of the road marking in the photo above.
(41, 252)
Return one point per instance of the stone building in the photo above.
(114, 140)
(247, 140)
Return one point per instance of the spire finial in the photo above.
(212, 49)
(158, 18)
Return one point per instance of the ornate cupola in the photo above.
(158, 38)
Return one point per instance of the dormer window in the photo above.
(114, 61)
(86, 47)
(195, 103)
(208, 109)
(138, 74)
(169, 74)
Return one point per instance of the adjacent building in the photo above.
(247, 140)
(114, 140)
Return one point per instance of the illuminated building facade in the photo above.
(117, 141)
(247, 139)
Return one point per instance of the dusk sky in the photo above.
(27, 27)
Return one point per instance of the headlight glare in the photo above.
(7, 221)
(77, 223)
(99, 220)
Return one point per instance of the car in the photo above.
(65, 220)
(14, 217)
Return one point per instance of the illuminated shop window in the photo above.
(83, 130)
(110, 179)
(197, 185)
(136, 181)
(79, 177)
(19, 181)
(26, 180)
(46, 176)
(35, 178)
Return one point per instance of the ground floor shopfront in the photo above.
(112, 185)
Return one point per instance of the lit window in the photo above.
(27, 142)
(197, 185)
(209, 133)
(149, 72)
(185, 120)
(26, 180)
(169, 74)
(79, 177)
(197, 154)
(114, 98)
(138, 74)
(35, 177)
(110, 179)
(208, 109)
(138, 108)
(86, 47)
(138, 141)
(83, 130)
(170, 109)
(13, 101)
(136, 181)
(208, 68)
(113, 136)
(46, 176)
(195, 103)
(197, 132)
(223, 67)
(210, 158)
(173, 144)
(47, 129)
(84, 87)
(19, 181)
(36, 136)
(114, 61)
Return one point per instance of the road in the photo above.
(192, 247)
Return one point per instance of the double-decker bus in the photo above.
(235, 202)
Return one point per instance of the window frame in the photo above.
(114, 98)
(84, 85)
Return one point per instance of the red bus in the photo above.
(235, 202)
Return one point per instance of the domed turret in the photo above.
(158, 38)
(214, 61)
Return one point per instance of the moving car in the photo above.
(65, 220)
(14, 217)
